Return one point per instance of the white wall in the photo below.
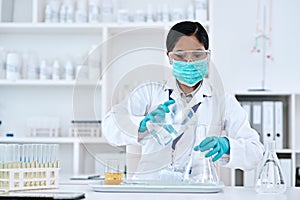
(234, 25)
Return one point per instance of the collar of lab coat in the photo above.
(204, 90)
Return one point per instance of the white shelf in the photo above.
(84, 28)
(263, 93)
(47, 83)
(20, 28)
(284, 151)
(59, 140)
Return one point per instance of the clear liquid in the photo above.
(165, 133)
(270, 178)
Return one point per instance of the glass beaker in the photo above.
(172, 125)
(200, 170)
(270, 177)
(113, 172)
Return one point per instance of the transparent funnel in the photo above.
(200, 170)
(270, 177)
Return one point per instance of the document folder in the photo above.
(278, 134)
(257, 118)
(268, 121)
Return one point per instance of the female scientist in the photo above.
(234, 144)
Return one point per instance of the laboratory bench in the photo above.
(230, 193)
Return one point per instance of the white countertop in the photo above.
(230, 193)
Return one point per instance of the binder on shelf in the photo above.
(257, 118)
(247, 106)
(249, 178)
(286, 165)
(268, 121)
(278, 133)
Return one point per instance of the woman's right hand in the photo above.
(156, 116)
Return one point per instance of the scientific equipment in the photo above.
(70, 11)
(174, 123)
(43, 126)
(94, 13)
(85, 128)
(32, 66)
(200, 170)
(165, 13)
(81, 12)
(69, 71)
(56, 70)
(177, 14)
(263, 37)
(94, 63)
(2, 63)
(190, 12)
(149, 15)
(123, 16)
(48, 13)
(113, 172)
(201, 10)
(13, 66)
(55, 5)
(63, 14)
(270, 177)
(139, 16)
(44, 71)
(107, 10)
(28, 166)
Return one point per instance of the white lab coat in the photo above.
(120, 127)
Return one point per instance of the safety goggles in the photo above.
(191, 55)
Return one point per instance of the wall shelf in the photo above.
(21, 28)
(84, 28)
(58, 140)
(47, 83)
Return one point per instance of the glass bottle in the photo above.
(270, 177)
(200, 170)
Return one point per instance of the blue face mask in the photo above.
(190, 73)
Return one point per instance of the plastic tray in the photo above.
(158, 188)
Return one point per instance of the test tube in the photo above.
(56, 153)
(7, 159)
(34, 163)
(39, 161)
(16, 163)
(46, 163)
(26, 163)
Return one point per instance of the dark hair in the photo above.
(186, 28)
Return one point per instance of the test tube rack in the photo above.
(28, 178)
(85, 129)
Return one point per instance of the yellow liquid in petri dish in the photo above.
(113, 178)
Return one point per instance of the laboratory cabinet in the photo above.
(274, 115)
(77, 66)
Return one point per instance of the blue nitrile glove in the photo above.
(219, 145)
(157, 115)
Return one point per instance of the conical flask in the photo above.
(200, 170)
(270, 177)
